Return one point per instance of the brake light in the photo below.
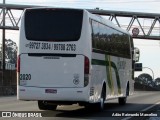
(86, 71)
(18, 64)
(86, 65)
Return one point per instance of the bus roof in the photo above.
(95, 17)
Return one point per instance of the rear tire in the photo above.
(42, 105)
(123, 100)
(100, 105)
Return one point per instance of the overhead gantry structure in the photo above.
(140, 25)
(136, 25)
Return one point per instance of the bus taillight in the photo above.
(86, 71)
(86, 65)
(18, 64)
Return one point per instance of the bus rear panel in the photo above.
(52, 62)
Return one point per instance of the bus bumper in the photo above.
(53, 94)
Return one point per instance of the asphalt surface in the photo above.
(140, 102)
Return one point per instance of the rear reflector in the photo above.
(18, 64)
(86, 65)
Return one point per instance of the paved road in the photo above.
(138, 102)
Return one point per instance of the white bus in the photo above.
(69, 56)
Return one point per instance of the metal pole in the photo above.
(151, 70)
(3, 45)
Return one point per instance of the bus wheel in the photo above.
(100, 105)
(42, 105)
(123, 100)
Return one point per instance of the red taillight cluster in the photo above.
(86, 71)
(86, 65)
(18, 64)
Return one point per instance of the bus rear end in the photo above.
(53, 64)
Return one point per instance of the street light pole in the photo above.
(151, 71)
(3, 45)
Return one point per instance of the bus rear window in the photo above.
(53, 24)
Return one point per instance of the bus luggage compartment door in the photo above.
(40, 70)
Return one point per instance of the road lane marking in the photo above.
(127, 118)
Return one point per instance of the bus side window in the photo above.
(95, 34)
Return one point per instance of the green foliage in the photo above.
(10, 51)
(146, 79)
(157, 81)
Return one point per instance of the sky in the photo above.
(149, 49)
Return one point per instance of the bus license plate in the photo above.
(53, 91)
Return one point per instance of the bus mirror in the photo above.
(136, 54)
(138, 67)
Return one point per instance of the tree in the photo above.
(146, 79)
(10, 51)
(137, 80)
(157, 81)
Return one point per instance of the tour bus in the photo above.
(70, 56)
